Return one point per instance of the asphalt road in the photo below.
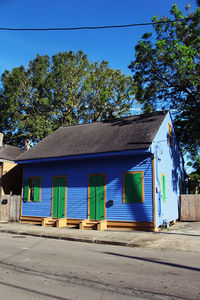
(40, 268)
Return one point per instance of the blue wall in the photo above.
(77, 186)
(168, 160)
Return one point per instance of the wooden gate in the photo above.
(10, 208)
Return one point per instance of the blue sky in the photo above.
(113, 45)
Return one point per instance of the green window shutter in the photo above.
(133, 188)
(26, 189)
(36, 197)
(163, 187)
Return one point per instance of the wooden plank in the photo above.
(39, 219)
(130, 225)
(30, 219)
(74, 221)
(190, 207)
(15, 208)
(5, 207)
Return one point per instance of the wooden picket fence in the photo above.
(10, 208)
(190, 207)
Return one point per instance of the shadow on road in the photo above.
(155, 261)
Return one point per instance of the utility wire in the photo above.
(92, 27)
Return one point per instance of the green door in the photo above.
(96, 185)
(59, 184)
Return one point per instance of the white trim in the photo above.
(6, 160)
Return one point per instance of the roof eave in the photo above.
(86, 156)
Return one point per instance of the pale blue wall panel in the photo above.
(168, 160)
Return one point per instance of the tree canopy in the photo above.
(59, 91)
(166, 70)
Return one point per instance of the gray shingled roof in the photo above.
(131, 133)
(8, 152)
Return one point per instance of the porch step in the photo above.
(52, 222)
(93, 225)
(90, 226)
(72, 226)
(49, 222)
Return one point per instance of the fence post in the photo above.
(179, 209)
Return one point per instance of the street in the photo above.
(41, 268)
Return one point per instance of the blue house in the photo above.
(122, 173)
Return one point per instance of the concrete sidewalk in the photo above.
(183, 236)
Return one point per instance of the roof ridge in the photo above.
(115, 119)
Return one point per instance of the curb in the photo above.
(74, 239)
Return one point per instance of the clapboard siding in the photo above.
(77, 172)
(129, 211)
(168, 161)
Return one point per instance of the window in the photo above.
(170, 136)
(163, 187)
(32, 189)
(133, 187)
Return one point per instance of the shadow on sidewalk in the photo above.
(177, 233)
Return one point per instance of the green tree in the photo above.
(25, 107)
(67, 81)
(60, 91)
(166, 71)
(107, 92)
(194, 182)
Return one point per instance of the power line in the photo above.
(92, 27)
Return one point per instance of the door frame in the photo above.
(96, 174)
(58, 176)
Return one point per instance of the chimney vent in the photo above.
(27, 144)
